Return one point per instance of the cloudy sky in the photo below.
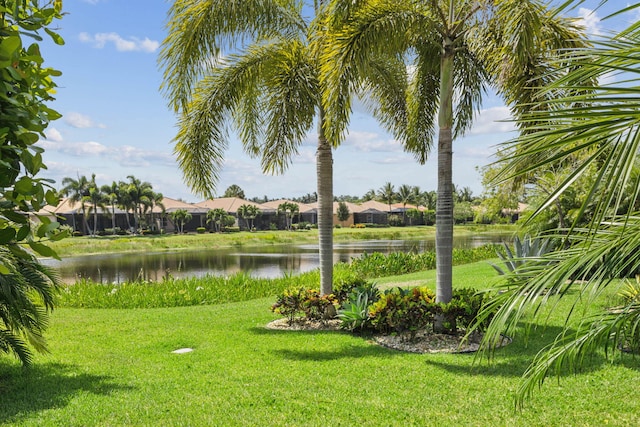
(116, 123)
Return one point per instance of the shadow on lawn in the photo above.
(514, 359)
(48, 386)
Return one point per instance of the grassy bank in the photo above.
(115, 367)
(114, 244)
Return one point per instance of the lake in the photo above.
(263, 261)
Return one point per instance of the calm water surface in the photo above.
(265, 261)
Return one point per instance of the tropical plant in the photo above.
(525, 251)
(405, 195)
(387, 193)
(77, 190)
(26, 287)
(597, 128)
(111, 194)
(96, 199)
(216, 217)
(268, 88)
(180, 217)
(140, 194)
(249, 213)
(289, 210)
(457, 49)
(354, 312)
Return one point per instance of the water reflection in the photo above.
(271, 261)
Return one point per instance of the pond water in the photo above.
(264, 261)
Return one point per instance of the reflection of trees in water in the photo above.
(264, 262)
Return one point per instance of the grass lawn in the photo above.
(115, 367)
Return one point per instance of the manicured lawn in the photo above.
(115, 367)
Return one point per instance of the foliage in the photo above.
(343, 211)
(290, 303)
(180, 217)
(526, 251)
(354, 311)
(379, 265)
(234, 190)
(201, 230)
(26, 86)
(400, 310)
(395, 220)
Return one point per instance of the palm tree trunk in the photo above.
(444, 204)
(324, 168)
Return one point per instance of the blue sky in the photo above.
(116, 123)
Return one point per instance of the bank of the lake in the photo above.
(155, 243)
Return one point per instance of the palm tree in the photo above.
(112, 197)
(215, 217)
(387, 193)
(249, 213)
(180, 217)
(95, 198)
(600, 129)
(27, 293)
(289, 210)
(141, 196)
(458, 48)
(405, 195)
(155, 199)
(268, 89)
(77, 190)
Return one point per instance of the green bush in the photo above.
(319, 307)
(232, 229)
(289, 303)
(354, 312)
(404, 311)
(201, 230)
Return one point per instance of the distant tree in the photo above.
(414, 215)
(77, 190)
(155, 199)
(289, 210)
(369, 195)
(234, 191)
(180, 217)
(141, 196)
(343, 211)
(216, 217)
(405, 195)
(387, 193)
(111, 194)
(249, 213)
(96, 199)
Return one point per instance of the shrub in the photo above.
(289, 303)
(232, 229)
(395, 220)
(319, 307)
(201, 230)
(401, 311)
(354, 312)
(337, 226)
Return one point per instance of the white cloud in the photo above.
(81, 121)
(132, 44)
(492, 120)
(590, 21)
(53, 134)
(371, 142)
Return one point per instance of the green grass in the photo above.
(113, 244)
(115, 367)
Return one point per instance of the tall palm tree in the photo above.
(405, 195)
(601, 128)
(77, 190)
(268, 89)
(111, 193)
(96, 199)
(140, 195)
(387, 193)
(456, 49)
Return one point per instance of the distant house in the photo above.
(371, 212)
(231, 205)
(164, 222)
(306, 213)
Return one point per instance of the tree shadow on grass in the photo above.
(514, 359)
(345, 351)
(47, 386)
